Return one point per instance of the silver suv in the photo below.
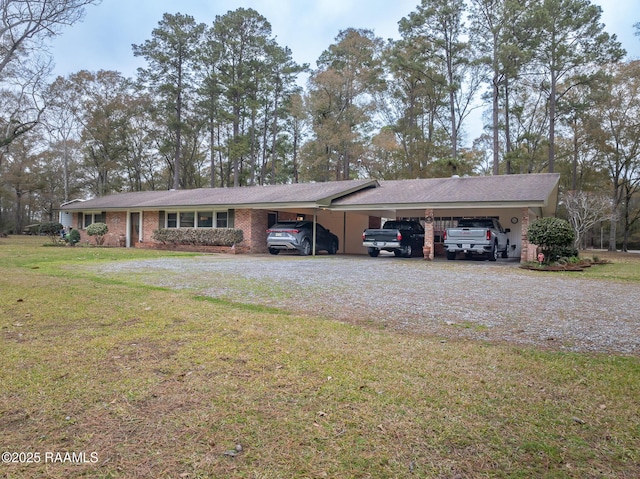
(298, 235)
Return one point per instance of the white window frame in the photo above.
(214, 218)
(92, 215)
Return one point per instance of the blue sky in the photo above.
(103, 40)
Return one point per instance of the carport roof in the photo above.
(534, 190)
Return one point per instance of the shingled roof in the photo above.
(299, 194)
(535, 190)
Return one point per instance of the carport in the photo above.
(516, 200)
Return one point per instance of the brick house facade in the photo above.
(346, 207)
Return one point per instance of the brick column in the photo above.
(253, 223)
(427, 249)
(528, 251)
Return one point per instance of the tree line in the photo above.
(223, 105)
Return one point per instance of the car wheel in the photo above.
(505, 253)
(451, 255)
(305, 247)
(408, 251)
(494, 252)
(274, 250)
(333, 247)
(373, 252)
(397, 253)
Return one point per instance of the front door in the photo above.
(134, 233)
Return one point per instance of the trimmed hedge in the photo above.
(199, 236)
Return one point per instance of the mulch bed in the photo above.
(581, 266)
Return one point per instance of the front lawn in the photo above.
(134, 381)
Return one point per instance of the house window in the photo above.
(222, 219)
(90, 218)
(187, 219)
(200, 219)
(205, 219)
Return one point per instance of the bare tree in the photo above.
(25, 27)
(586, 209)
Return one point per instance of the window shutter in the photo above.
(161, 219)
(231, 216)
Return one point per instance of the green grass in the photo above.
(165, 384)
(624, 267)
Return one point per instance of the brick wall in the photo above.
(115, 221)
(150, 223)
(253, 223)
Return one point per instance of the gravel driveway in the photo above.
(496, 302)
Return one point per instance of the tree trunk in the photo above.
(507, 125)
(274, 135)
(212, 155)
(552, 122)
(496, 124)
(176, 159)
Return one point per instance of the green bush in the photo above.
(555, 236)
(98, 230)
(199, 236)
(52, 230)
(73, 237)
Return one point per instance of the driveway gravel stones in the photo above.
(496, 302)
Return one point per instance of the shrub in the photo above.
(73, 237)
(98, 230)
(199, 236)
(52, 230)
(555, 236)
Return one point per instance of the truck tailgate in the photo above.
(381, 235)
(466, 234)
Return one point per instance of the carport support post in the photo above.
(427, 248)
(314, 232)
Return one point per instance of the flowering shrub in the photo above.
(199, 236)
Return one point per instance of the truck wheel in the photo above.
(451, 255)
(408, 251)
(305, 247)
(373, 252)
(494, 252)
(505, 253)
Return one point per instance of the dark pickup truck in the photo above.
(404, 238)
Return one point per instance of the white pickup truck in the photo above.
(477, 236)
